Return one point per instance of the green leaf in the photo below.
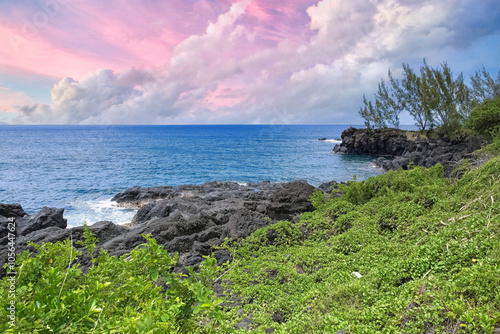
(148, 322)
(59, 327)
(154, 274)
(88, 323)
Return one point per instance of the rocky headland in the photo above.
(189, 219)
(399, 148)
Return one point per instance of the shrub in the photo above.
(485, 118)
(136, 293)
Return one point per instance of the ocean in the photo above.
(80, 168)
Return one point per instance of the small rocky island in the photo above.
(397, 148)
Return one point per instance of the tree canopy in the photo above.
(433, 96)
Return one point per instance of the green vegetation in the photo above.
(433, 97)
(427, 249)
(136, 293)
(485, 118)
(484, 86)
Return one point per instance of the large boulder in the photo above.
(9, 213)
(12, 211)
(47, 217)
(191, 219)
(372, 142)
(137, 196)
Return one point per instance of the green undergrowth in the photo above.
(135, 293)
(427, 249)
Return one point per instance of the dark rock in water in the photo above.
(136, 196)
(188, 219)
(338, 148)
(396, 150)
(47, 217)
(372, 141)
(321, 139)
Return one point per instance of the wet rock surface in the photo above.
(395, 150)
(188, 219)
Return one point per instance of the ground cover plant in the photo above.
(135, 293)
(427, 250)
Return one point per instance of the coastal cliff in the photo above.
(398, 148)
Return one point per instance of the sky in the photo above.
(225, 61)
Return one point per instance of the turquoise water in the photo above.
(80, 168)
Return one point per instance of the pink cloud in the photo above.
(178, 61)
(71, 38)
(82, 36)
(223, 96)
(11, 100)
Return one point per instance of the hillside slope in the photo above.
(426, 248)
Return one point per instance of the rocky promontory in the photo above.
(187, 219)
(397, 148)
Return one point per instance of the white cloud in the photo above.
(352, 45)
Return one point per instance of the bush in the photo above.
(485, 118)
(135, 293)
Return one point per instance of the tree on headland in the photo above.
(387, 106)
(388, 100)
(372, 115)
(418, 97)
(448, 99)
(484, 87)
(367, 112)
(432, 96)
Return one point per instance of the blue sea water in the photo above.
(80, 168)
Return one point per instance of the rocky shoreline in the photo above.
(398, 148)
(189, 219)
(192, 219)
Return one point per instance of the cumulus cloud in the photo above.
(227, 74)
